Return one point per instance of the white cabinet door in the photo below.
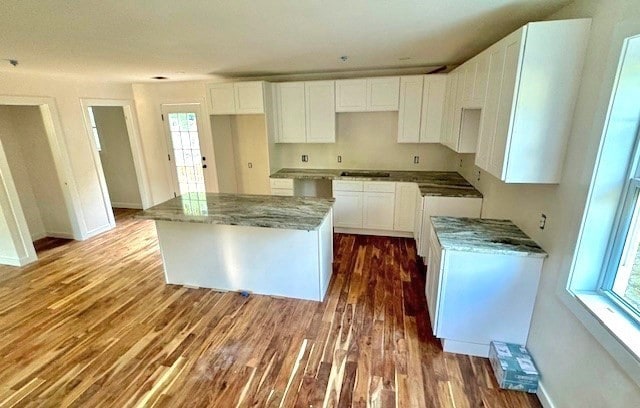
(410, 109)
(505, 108)
(347, 209)
(417, 227)
(378, 210)
(320, 99)
(249, 97)
(489, 112)
(448, 134)
(351, 95)
(222, 99)
(433, 100)
(405, 207)
(383, 94)
(291, 112)
(482, 77)
(281, 192)
(432, 284)
(469, 70)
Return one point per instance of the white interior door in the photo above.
(182, 124)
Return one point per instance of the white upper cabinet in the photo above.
(236, 98)
(433, 99)
(320, 111)
(533, 81)
(305, 112)
(383, 94)
(422, 99)
(249, 97)
(410, 109)
(222, 99)
(367, 94)
(291, 112)
(351, 95)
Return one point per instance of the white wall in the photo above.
(149, 99)
(576, 370)
(83, 185)
(19, 172)
(116, 157)
(365, 140)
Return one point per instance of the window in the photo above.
(94, 129)
(621, 280)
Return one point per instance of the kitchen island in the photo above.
(280, 246)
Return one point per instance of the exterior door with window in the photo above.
(182, 124)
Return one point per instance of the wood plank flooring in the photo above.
(93, 324)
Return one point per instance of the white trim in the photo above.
(544, 397)
(132, 206)
(5, 260)
(379, 233)
(37, 236)
(62, 235)
(98, 231)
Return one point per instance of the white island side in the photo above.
(280, 246)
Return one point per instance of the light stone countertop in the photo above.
(484, 235)
(431, 183)
(298, 213)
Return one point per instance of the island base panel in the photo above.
(268, 261)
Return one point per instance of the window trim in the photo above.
(628, 208)
(579, 289)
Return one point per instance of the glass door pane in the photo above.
(185, 141)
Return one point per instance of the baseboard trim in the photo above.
(97, 231)
(380, 233)
(131, 206)
(63, 235)
(543, 396)
(5, 260)
(38, 236)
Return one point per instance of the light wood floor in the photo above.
(93, 324)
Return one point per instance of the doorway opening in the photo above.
(117, 155)
(32, 183)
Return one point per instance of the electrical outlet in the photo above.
(478, 172)
(416, 159)
(305, 158)
(543, 221)
(460, 165)
(339, 159)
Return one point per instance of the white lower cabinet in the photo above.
(378, 210)
(281, 187)
(474, 298)
(405, 208)
(347, 209)
(444, 206)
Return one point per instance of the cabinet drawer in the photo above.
(346, 185)
(380, 186)
(282, 183)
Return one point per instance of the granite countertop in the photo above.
(298, 213)
(430, 183)
(484, 235)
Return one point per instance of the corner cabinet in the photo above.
(305, 112)
(526, 116)
(236, 98)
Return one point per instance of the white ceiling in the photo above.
(133, 40)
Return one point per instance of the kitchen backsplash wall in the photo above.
(365, 140)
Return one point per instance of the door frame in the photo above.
(135, 144)
(201, 115)
(55, 137)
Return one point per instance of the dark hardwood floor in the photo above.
(93, 324)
